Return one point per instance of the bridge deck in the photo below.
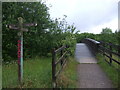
(90, 75)
(83, 54)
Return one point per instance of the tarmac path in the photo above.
(90, 75)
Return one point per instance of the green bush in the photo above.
(39, 40)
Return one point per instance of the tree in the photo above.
(38, 40)
(106, 31)
(31, 12)
(117, 33)
(80, 37)
(106, 35)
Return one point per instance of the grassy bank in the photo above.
(68, 77)
(0, 76)
(111, 72)
(37, 74)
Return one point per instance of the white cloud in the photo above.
(86, 14)
(113, 24)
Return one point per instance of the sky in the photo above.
(87, 15)
(119, 16)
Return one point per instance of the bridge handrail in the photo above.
(111, 52)
(110, 44)
(107, 49)
(94, 41)
(92, 44)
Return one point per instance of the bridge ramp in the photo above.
(83, 54)
(90, 75)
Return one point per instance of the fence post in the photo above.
(53, 68)
(61, 53)
(97, 47)
(110, 53)
(118, 49)
(103, 48)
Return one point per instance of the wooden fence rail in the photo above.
(61, 60)
(107, 49)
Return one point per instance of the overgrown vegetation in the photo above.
(37, 74)
(111, 72)
(68, 77)
(106, 36)
(0, 76)
(39, 40)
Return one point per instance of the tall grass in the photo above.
(114, 64)
(0, 76)
(37, 74)
(111, 72)
(68, 77)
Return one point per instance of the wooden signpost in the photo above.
(20, 28)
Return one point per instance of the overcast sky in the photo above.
(87, 15)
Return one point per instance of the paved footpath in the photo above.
(90, 75)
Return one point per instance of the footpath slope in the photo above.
(90, 75)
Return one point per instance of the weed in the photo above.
(111, 72)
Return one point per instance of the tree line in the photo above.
(39, 40)
(48, 34)
(106, 35)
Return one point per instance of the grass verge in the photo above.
(68, 77)
(111, 72)
(37, 74)
(0, 76)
